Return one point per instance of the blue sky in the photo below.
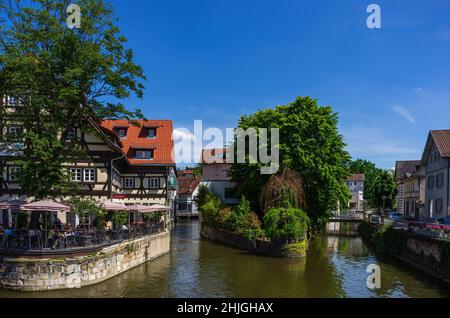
(217, 59)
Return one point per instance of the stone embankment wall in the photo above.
(257, 246)
(427, 254)
(76, 272)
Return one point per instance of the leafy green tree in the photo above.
(87, 208)
(385, 190)
(119, 218)
(371, 173)
(311, 145)
(62, 77)
(202, 196)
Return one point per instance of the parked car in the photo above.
(444, 221)
(395, 216)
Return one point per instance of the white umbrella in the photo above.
(45, 206)
(159, 207)
(140, 208)
(111, 206)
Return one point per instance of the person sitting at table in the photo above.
(53, 237)
(58, 224)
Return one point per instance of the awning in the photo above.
(13, 205)
(140, 208)
(45, 206)
(159, 207)
(112, 206)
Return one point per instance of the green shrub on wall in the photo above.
(444, 246)
(210, 209)
(286, 225)
(384, 239)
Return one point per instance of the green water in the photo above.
(335, 267)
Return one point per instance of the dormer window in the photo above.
(144, 154)
(151, 133)
(122, 133)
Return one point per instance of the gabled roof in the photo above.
(357, 177)
(188, 183)
(215, 156)
(442, 140)
(136, 138)
(405, 169)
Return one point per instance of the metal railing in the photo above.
(36, 240)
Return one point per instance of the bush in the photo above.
(210, 209)
(253, 234)
(223, 218)
(286, 225)
(244, 207)
(384, 239)
(202, 196)
(251, 221)
(119, 219)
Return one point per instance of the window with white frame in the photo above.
(15, 132)
(151, 133)
(154, 183)
(75, 174)
(14, 173)
(72, 134)
(11, 101)
(128, 183)
(89, 175)
(143, 154)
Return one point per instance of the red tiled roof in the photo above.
(404, 169)
(442, 140)
(187, 184)
(357, 177)
(185, 172)
(213, 156)
(136, 138)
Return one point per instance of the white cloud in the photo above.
(182, 135)
(405, 113)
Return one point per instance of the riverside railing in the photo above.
(35, 240)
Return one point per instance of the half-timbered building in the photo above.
(128, 162)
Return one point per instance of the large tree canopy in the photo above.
(311, 145)
(62, 75)
(385, 190)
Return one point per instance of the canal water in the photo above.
(335, 267)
